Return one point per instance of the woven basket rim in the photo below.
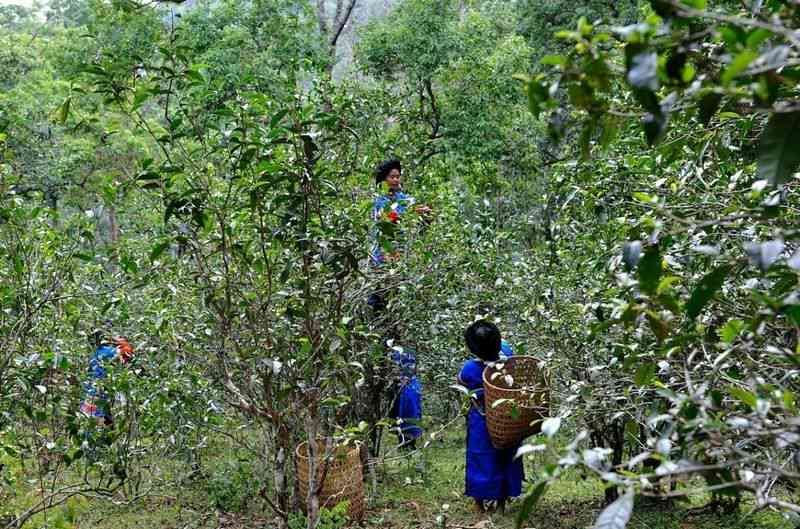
(304, 453)
(487, 382)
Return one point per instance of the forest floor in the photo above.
(412, 496)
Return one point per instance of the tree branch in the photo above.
(787, 33)
(340, 22)
(436, 116)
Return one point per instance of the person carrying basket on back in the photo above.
(491, 474)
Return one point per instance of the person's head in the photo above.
(483, 340)
(101, 333)
(389, 171)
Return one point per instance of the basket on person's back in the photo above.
(517, 399)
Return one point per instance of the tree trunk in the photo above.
(332, 29)
(281, 483)
(113, 226)
(312, 432)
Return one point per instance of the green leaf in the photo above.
(669, 303)
(793, 314)
(789, 400)
(63, 110)
(644, 375)
(747, 397)
(666, 284)
(778, 154)
(128, 265)
(276, 119)
(689, 410)
(657, 325)
(716, 398)
(757, 37)
(731, 330)
(194, 75)
(697, 4)
(142, 93)
(584, 28)
(705, 290)
(732, 36)
(650, 270)
(688, 73)
(554, 60)
(738, 65)
(529, 502)
(157, 250)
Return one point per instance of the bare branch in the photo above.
(789, 34)
(341, 21)
(436, 117)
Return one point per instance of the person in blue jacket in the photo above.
(491, 474)
(96, 402)
(407, 404)
(388, 211)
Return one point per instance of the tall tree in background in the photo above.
(331, 24)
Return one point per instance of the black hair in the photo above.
(101, 333)
(384, 168)
(483, 340)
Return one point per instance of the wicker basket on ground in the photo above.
(523, 386)
(341, 471)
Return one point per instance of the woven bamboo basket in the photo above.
(526, 404)
(343, 479)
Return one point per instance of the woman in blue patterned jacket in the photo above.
(388, 211)
(96, 402)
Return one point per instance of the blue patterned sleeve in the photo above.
(377, 207)
(102, 355)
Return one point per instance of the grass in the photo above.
(408, 497)
(571, 503)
